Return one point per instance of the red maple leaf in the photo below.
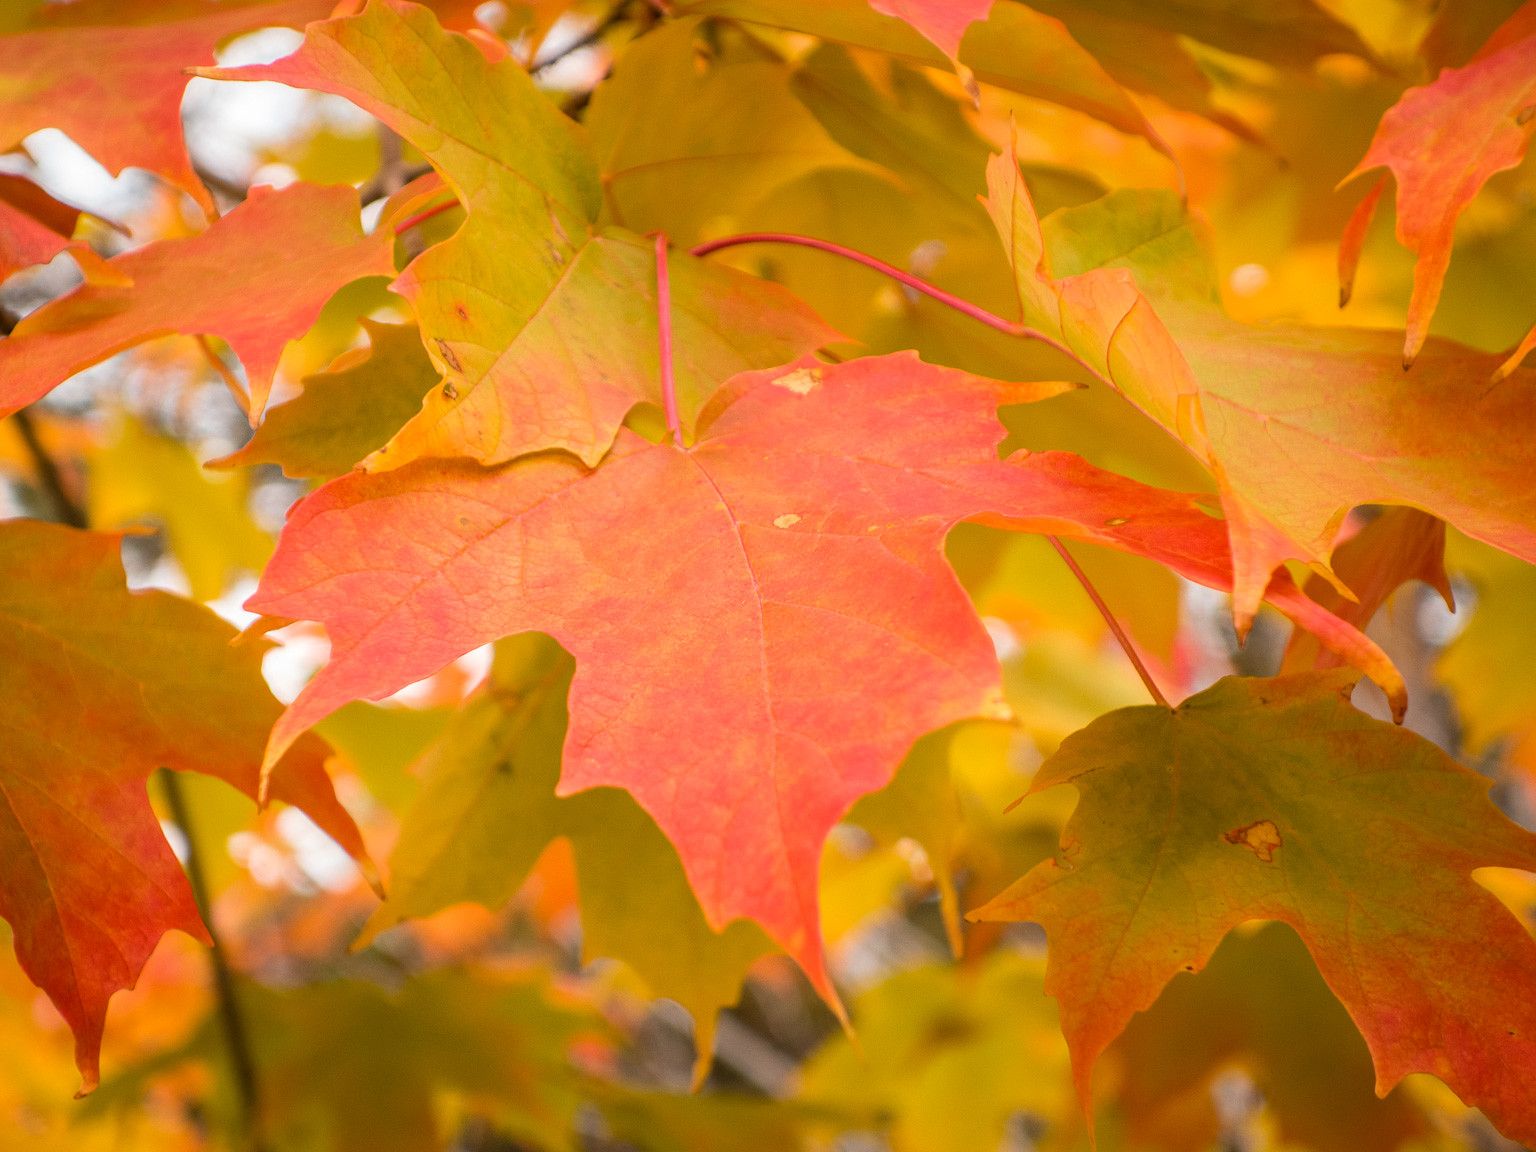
(763, 622)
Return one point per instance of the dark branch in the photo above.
(231, 1015)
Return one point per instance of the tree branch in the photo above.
(586, 40)
(65, 508)
(231, 1015)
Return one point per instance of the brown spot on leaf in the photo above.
(449, 391)
(461, 312)
(1261, 837)
(450, 357)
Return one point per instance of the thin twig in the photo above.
(374, 188)
(231, 1016)
(48, 478)
(231, 190)
(391, 173)
(586, 40)
(422, 217)
(1114, 625)
(66, 508)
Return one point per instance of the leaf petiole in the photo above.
(1114, 625)
(933, 291)
(423, 216)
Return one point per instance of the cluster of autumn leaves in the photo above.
(685, 472)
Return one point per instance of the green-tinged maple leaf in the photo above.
(1015, 48)
(917, 132)
(676, 113)
(947, 1056)
(1122, 284)
(1289, 32)
(102, 687)
(488, 809)
(543, 326)
(293, 248)
(34, 227)
(347, 1066)
(763, 623)
(129, 58)
(142, 477)
(1147, 46)
(920, 803)
(1259, 1004)
(346, 412)
(1442, 143)
(1274, 799)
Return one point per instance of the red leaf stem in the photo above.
(423, 216)
(1114, 625)
(949, 299)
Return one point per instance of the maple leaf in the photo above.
(1122, 286)
(488, 809)
(920, 806)
(947, 1057)
(1259, 1003)
(296, 246)
(346, 412)
(1275, 799)
(1442, 143)
(103, 686)
(735, 126)
(34, 227)
(543, 326)
(1287, 32)
(702, 591)
(144, 477)
(325, 1047)
(129, 56)
(1148, 46)
(1015, 48)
